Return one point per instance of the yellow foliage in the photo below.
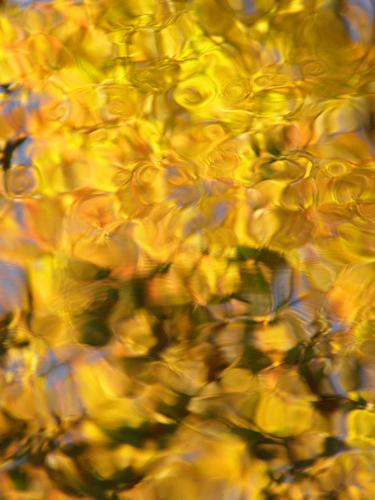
(187, 249)
(283, 416)
(361, 427)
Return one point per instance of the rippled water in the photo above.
(187, 200)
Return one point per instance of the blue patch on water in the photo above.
(8, 466)
(281, 287)
(49, 363)
(12, 286)
(336, 384)
(248, 7)
(19, 213)
(33, 102)
(22, 153)
(221, 211)
(59, 373)
(353, 33)
(183, 195)
(11, 105)
(367, 5)
(28, 3)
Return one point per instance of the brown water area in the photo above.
(187, 249)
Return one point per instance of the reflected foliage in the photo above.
(187, 203)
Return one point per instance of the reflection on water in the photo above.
(187, 249)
